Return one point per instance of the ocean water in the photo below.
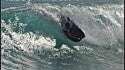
(30, 30)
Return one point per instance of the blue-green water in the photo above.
(30, 30)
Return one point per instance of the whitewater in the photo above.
(30, 31)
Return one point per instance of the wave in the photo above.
(34, 29)
(102, 25)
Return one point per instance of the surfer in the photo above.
(70, 29)
(66, 25)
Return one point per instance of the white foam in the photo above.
(25, 41)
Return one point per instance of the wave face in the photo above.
(30, 32)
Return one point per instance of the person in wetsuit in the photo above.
(66, 25)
